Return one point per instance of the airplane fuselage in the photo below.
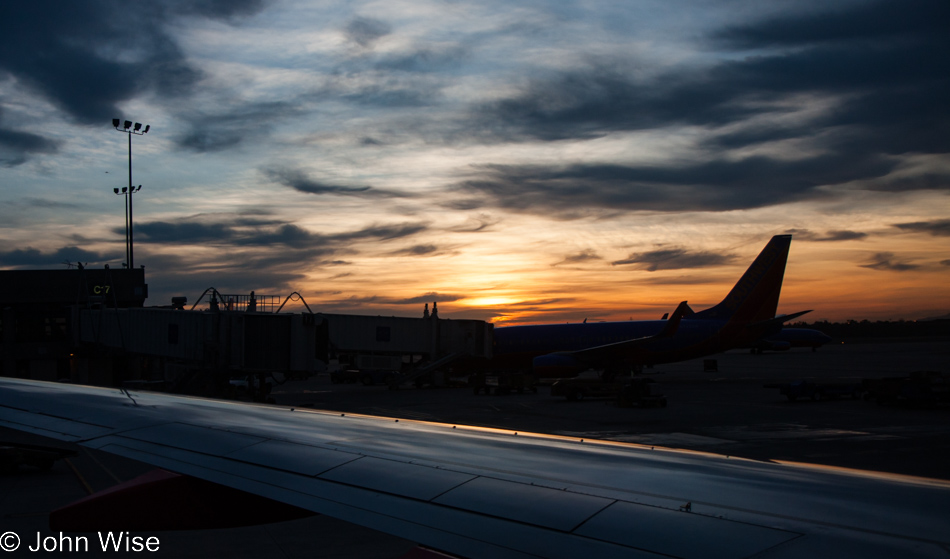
(518, 346)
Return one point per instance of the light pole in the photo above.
(137, 130)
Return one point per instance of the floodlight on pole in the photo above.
(128, 191)
(125, 192)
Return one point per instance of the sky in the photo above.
(519, 162)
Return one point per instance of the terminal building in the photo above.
(37, 308)
(92, 326)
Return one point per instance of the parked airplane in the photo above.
(476, 492)
(746, 315)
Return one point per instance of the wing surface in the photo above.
(487, 493)
(612, 350)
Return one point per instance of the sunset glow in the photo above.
(519, 163)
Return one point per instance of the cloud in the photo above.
(242, 232)
(182, 232)
(375, 88)
(417, 250)
(365, 31)
(886, 261)
(16, 147)
(299, 181)
(674, 259)
(33, 257)
(117, 51)
(348, 304)
(829, 236)
(937, 228)
(208, 133)
(717, 185)
(429, 297)
(845, 24)
(481, 223)
(857, 87)
(582, 256)
(31, 202)
(424, 59)
(382, 232)
(888, 61)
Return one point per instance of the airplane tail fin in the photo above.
(669, 329)
(755, 297)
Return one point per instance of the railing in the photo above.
(240, 302)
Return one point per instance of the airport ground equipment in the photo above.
(816, 391)
(920, 388)
(370, 370)
(424, 373)
(628, 392)
(504, 382)
(643, 392)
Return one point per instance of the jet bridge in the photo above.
(167, 343)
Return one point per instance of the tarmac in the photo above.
(727, 411)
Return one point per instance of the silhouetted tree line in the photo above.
(879, 329)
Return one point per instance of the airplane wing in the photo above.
(668, 331)
(568, 363)
(478, 492)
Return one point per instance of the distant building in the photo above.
(36, 314)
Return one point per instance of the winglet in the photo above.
(669, 329)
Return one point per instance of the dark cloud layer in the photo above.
(208, 133)
(89, 57)
(365, 31)
(674, 259)
(298, 180)
(829, 236)
(238, 232)
(888, 261)
(430, 297)
(76, 54)
(16, 146)
(883, 68)
(418, 250)
(579, 257)
(937, 228)
(32, 257)
(717, 185)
